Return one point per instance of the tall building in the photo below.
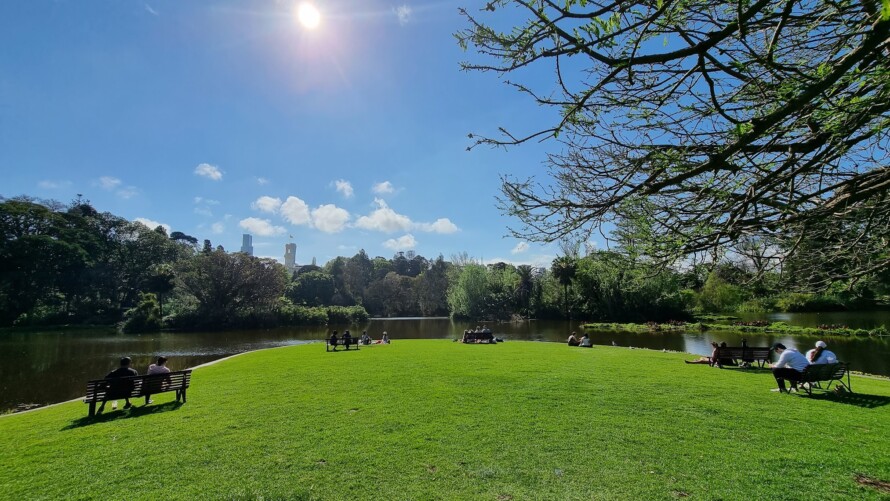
(247, 244)
(290, 256)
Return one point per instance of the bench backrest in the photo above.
(746, 353)
(137, 386)
(823, 372)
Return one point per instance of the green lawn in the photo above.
(431, 419)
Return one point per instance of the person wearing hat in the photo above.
(821, 355)
(789, 366)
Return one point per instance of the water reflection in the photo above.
(48, 367)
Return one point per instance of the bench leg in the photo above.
(92, 408)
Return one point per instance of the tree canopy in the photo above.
(703, 124)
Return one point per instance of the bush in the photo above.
(342, 315)
(797, 302)
(879, 332)
(145, 317)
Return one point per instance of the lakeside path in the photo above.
(432, 419)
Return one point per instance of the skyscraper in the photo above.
(247, 244)
(290, 256)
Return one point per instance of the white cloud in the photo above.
(152, 224)
(208, 201)
(329, 218)
(405, 242)
(267, 204)
(403, 13)
(262, 181)
(261, 227)
(203, 211)
(383, 188)
(520, 248)
(109, 183)
(127, 193)
(384, 219)
(53, 185)
(442, 225)
(295, 211)
(344, 187)
(150, 10)
(217, 228)
(209, 171)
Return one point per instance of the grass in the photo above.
(772, 328)
(431, 419)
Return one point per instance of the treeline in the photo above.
(70, 264)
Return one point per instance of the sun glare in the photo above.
(308, 15)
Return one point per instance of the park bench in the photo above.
(815, 373)
(352, 344)
(102, 390)
(479, 338)
(744, 354)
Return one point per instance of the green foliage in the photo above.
(346, 315)
(145, 317)
(719, 296)
(270, 425)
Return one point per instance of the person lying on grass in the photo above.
(707, 360)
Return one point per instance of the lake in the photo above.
(54, 366)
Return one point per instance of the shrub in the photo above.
(145, 317)
(879, 332)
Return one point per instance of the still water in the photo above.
(49, 367)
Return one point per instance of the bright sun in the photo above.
(308, 15)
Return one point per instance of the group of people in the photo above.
(347, 340)
(792, 363)
(584, 342)
(125, 370)
(481, 335)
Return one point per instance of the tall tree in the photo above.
(713, 120)
(564, 269)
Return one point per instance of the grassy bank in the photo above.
(430, 419)
(772, 328)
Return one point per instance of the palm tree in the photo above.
(564, 269)
(524, 287)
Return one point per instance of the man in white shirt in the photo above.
(821, 355)
(789, 366)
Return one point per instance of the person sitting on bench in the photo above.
(821, 355)
(123, 371)
(789, 366)
(333, 340)
(347, 339)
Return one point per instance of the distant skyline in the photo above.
(230, 117)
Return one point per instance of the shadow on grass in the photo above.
(134, 412)
(857, 399)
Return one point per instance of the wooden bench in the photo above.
(478, 338)
(102, 390)
(747, 354)
(815, 373)
(353, 343)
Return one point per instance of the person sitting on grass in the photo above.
(573, 341)
(789, 366)
(120, 387)
(385, 338)
(159, 368)
(333, 340)
(707, 360)
(365, 339)
(586, 342)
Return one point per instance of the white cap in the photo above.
(821, 344)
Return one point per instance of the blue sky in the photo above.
(218, 118)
